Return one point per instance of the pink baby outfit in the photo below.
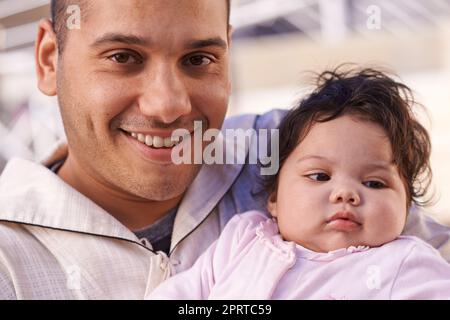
(250, 260)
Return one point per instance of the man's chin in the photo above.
(164, 192)
(162, 188)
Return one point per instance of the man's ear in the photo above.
(46, 57)
(230, 34)
(272, 204)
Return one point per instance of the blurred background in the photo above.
(275, 44)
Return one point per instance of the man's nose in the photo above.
(165, 96)
(345, 194)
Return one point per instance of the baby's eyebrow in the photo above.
(311, 157)
(382, 165)
(386, 166)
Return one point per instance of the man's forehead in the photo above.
(161, 10)
(147, 19)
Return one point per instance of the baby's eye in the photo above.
(374, 184)
(320, 176)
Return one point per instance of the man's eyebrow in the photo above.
(136, 40)
(121, 38)
(210, 42)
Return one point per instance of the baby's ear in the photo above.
(272, 204)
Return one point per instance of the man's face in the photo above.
(142, 67)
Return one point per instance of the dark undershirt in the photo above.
(159, 234)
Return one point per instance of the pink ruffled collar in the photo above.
(268, 232)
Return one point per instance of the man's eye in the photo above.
(320, 176)
(125, 58)
(374, 184)
(198, 61)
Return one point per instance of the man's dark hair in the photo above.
(58, 14)
(372, 96)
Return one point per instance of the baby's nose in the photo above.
(345, 196)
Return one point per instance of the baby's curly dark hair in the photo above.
(373, 96)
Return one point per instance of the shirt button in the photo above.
(163, 265)
(175, 262)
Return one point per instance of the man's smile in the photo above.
(155, 141)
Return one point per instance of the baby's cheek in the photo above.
(390, 219)
(398, 212)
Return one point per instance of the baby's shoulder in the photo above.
(248, 225)
(248, 219)
(405, 245)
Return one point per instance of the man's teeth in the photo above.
(154, 141)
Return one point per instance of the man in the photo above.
(113, 217)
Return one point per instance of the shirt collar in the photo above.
(32, 194)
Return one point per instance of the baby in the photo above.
(352, 160)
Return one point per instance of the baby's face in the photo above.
(339, 188)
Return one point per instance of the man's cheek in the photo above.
(104, 104)
(215, 108)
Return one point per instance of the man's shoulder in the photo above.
(7, 238)
(268, 120)
(17, 247)
(15, 238)
(421, 225)
(23, 188)
(246, 192)
(17, 171)
(21, 248)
